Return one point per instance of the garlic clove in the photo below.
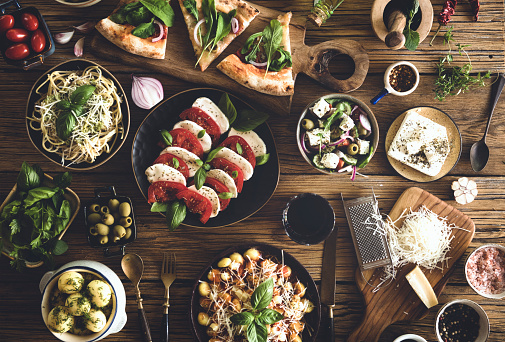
(63, 37)
(469, 198)
(463, 181)
(458, 193)
(85, 28)
(471, 185)
(455, 185)
(461, 199)
(79, 47)
(474, 192)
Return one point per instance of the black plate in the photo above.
(312, 319)
(36, 137)
(256, 192)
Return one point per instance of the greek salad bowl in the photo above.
(337, 133)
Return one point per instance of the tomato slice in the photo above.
(218, 187)
(185, 139)
(168, 159)
(229, 168)
(203, 119)
(196, 204)
(247, 152)
(164, 191)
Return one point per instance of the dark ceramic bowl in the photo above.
(312, 319)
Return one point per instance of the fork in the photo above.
(168, 274)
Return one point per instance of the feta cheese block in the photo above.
(320, 108)
(363, 146)
(162, 172)
(211, 195)
(421, 144)
(238, 160)
(224, 178)
(347, 123)
(255, 142)
(195, 129)
(189, 157)
(318, 136)
(330, 160)
(214, 112)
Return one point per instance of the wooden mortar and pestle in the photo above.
(388, 21)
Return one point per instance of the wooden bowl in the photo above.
(380, 29)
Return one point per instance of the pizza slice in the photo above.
(264, 63)
(139, 27)
(213, 24)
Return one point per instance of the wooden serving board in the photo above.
(397, 301)
(180, 59)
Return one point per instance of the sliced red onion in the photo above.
(353, 172)
(259, 65)
(354, 108)
(304, 147)
(85, 28)
(79, 47)
(365, 123)
(162, 31)
(64, 37)
(348, 168)
(339, 141)
(146, 91)
(195, 32)
(234, 25)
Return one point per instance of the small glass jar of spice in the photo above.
(400, 79)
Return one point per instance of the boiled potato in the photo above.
(77, 304)
(100, 293)
(96, 320)
(60, 320)
(70, 282)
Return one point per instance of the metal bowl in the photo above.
(487, 295)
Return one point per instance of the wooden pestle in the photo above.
(396, 23)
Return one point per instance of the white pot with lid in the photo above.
(117, 318)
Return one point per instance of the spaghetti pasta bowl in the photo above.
(76, 153)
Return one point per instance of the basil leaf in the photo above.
(200, 177)
(248, 119)
(242, 318)
(82, 94)
(175, 163)
(57, 199)
(176, 213)
(166, 137)
(144, 30)
(262, 296)
(37, 194)
(227, 108)
(158, 207)
(234, 174)
(256, 332)
(411, 39)
(161, 9)
(272, 35)
(260, 160)
(213, 153)
(199, 162)
(60, 247)
(63, 180)
(65, 124)
(63, 217)
(206, 167)
(225, 195)
(139, 16)
(239, 148)
(269, 316)
(190, 5)
(63, 105)
(119, 17)
(29, 177)
(201, 134)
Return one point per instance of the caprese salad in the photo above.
(205, 160)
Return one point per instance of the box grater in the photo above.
(371, 246)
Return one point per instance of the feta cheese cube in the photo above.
(363, 146)
(330, 160)
(318, 136)
(320, 108)
(347, 123)
(339, 154)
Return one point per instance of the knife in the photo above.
(328, 283)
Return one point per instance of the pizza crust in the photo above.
(121, 36)
(245, 14)
(279, 83)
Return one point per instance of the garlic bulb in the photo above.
(465, 190)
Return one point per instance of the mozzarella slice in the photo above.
(162, 172)
(238, 160)
(211, 195)
(224, 178)
(195, 129)
(257, 144)
(214, 112)
(189, 157)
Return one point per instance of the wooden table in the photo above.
(20, 318)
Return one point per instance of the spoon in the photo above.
(479, 153)
(133, 267)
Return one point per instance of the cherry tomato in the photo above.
(170, 160)
(29, 21)
(17, 51)
(164, 191)
(203, 119)
(6, 23)
(38, 41)
(197, 204)
(17, 35)
(236, 143)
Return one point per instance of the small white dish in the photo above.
(412, 337)
(484, 328)
(388, 89)
(487, 295)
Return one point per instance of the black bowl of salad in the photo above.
(337, 133)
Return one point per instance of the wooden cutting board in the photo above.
(397, 301)
(180, 59)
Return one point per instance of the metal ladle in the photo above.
(133, 267)
(479, 153)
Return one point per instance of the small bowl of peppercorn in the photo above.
(462, 320)
(400, 79)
